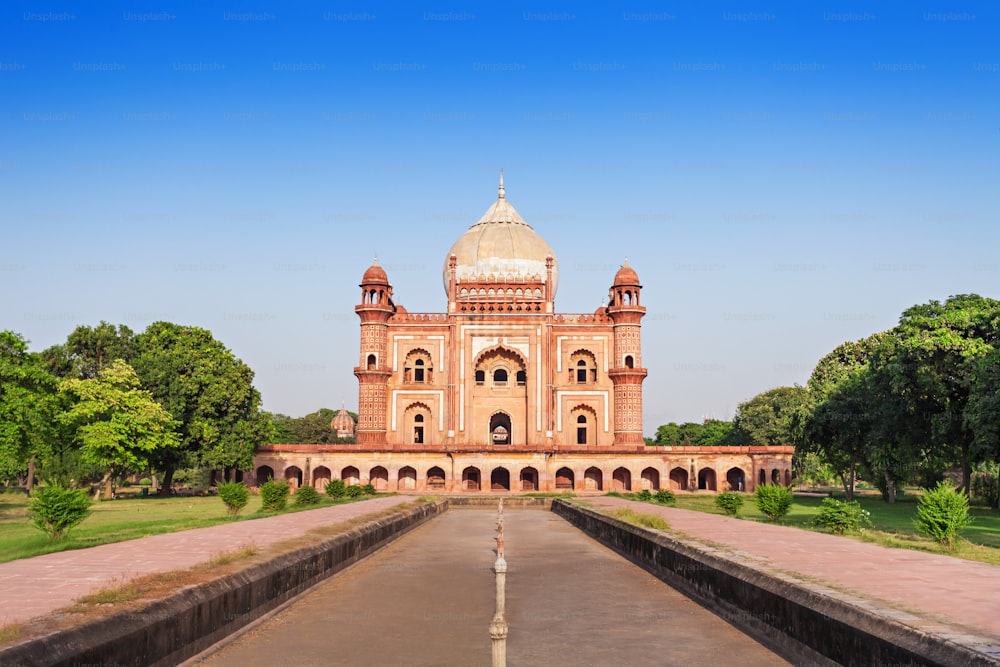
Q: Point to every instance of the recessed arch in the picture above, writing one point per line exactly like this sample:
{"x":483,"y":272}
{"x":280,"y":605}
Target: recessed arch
{"x":736,"y":479}
{"x":350,"y":475}
{"x":565,"y":479}
{"x":678,"y":479}
{"x":293,"y":475}
{"x":528,"y":479}
{"x":621,"y":479}
{"x":407,"y":479}
{"x":500,"y":479}
{"x":471,"y":479}
{"x":435,"y":479}
{"x":650,"y":479}
{"x":706,"y":480}
{"x":379,"y":478}
{"x":593,"y":479}
{"x":321,"y":477}
{"x":263,"y":474}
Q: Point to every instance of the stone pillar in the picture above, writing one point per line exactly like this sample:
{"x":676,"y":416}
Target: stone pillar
{"x":498,"y":626}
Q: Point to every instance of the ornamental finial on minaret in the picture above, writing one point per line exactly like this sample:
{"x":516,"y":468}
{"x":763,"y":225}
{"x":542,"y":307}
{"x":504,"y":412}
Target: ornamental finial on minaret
{"x":501,"y":193}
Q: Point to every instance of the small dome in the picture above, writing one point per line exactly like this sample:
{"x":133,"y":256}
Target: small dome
{"x":626,"y":275}
{"x":501,"y":244}
{"x":343,"y":424}
{"x":375,"y":274}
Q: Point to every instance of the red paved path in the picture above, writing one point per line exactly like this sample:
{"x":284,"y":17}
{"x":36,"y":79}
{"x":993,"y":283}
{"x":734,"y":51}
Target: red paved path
{"x":37,"y":586}
{"x":939,"y":594}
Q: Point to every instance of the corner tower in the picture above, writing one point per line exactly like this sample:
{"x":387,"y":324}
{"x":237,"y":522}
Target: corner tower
{"x":374,"y":367}
{"x":625,"y":310}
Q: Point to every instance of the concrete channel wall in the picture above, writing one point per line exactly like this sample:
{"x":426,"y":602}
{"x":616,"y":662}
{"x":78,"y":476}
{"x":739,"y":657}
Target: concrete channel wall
{"x":171,"y":630}
{"x":805,"y":626}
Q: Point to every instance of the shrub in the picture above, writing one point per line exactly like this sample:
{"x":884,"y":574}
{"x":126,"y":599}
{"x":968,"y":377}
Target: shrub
{"x":145,"y":481}
{"x":613,"y":494}
{"x":307,"y":495}
{"x":56,"y":510}
{"x":235,"y":495}
{"x":942,"y":513}
{"x":274,"y":495}
{"x":840,"y":517}
{"x":665,"y":497}
{"x":644,"y":495}
{"x":644,"y":520}
{"x":729,"y":502}
{"x":773,"y":500}
{"x":369,"y":490}
{"x":355,"y":491}
{"x":336,"y":488}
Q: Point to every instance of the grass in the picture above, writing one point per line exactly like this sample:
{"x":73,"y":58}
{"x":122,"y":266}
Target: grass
{"x":643,"y":520}
{"x":127,"y":519}
{"x":892,"y":524}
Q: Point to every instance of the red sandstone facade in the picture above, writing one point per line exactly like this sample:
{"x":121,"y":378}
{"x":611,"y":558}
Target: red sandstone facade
{"x":503,"y":393}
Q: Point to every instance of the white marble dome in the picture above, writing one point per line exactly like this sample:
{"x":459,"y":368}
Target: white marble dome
{"x":503,"y":245}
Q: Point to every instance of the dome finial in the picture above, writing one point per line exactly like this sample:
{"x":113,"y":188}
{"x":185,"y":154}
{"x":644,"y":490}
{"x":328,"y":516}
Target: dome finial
{"x":501,"y":193}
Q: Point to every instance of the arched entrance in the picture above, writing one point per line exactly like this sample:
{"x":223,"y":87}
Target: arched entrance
{"x":470,"y":479}
{"x":264,"y":473}
{"x":407,"y":480}
{"x":435,"y":479}
{"x":593,"y":479}
{"x":679,"y":479}
{"x":735,"y":479}
{"x":706,"y":479}
{"x":293,"y":475}
{"x":500,"y":429}
{"x":565,"y":479}
{"x":651,"y":479}
{"x":775,"y":476}
{"x":500,"y":480}
{"x":788,"y":477}
{"x":321,"y":477}
{"x":762,"y":478}
{"x":379,"y":478}
{"x":529,"y":479}
{"x":350,"y":475}
{"x":621,"y":479}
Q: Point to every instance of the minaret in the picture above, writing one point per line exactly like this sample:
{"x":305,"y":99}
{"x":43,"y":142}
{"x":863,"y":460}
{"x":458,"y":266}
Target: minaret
{"x":627,"y":372}
{"x":374,"y":369}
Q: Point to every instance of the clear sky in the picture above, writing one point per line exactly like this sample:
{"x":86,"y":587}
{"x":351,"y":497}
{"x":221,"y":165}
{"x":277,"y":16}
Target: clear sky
{"x":782,"y":176}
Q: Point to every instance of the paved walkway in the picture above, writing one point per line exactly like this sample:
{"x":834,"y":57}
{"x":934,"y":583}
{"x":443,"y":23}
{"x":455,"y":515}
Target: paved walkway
{"x":428,"y":598}
{"x":34,"y":587}
{"x":932,"y":592}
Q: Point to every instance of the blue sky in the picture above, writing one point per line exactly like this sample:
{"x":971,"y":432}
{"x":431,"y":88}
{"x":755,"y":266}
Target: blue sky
{"x":782,"y":176}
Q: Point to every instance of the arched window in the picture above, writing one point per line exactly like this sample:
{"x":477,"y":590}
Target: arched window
{"x":417,"y":367}
{"x":522,"y":378}
{"x":371,"y":362}
{"x":629,"y":362}
{"x":418,"y":429}
{"x":480,"y":377}
{"x":581,"y":430}
{"x":581,"y":371}
{"x":583,"y":367}
{"x":500,"y":376}
{"x":418,"y":370}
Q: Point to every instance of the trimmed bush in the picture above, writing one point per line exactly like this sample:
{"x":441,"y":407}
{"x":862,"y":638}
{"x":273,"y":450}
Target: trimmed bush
{"x":235,"y":495}
{"x":306,"y":495}
{"x":773,"y":500}
{"x":369,"y":490}
{"x":942,"y":513}
{"x":644,"y":495}
{"x":729,"y":502}
{"x":355,"y":491}
{"x":274,"y":495}
{"x":336,"y":488}
{"x":841,"y":517}
{"x":665,"y":497}
{"x":56,"y":510}
{"x":145,"y":481}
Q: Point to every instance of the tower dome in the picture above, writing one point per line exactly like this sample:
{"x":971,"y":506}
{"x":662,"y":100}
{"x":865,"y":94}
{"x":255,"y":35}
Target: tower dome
{"x":502,"y":244}
{"x":375,"y":275}
{"x":626,"y":275}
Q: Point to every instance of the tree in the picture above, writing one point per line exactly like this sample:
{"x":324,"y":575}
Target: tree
{"x":90,"y":349}
{"x":209,"y":391}
{"x":982,"y":412}
{"x":314,"y":428}
{"x":769,"y":418}
{"x":119,"y":426}
{"x":28,"y":402}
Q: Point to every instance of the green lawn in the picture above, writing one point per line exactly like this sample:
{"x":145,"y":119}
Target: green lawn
{"x":893,"y":524}
{"x":118,"y":520}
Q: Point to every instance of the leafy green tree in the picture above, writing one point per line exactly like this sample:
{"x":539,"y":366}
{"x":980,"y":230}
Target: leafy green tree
{"x":283,"y":428}
{"x":982,"y":412}
{"x":28,"y":402}
{"x":90,"y":349}
{"x":209,"y":391}
{"x":118,"y":426}
{"x":56,"y":510}
{"x":771,"y":417}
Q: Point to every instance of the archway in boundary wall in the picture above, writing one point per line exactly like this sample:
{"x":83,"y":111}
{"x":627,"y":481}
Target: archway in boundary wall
{"x":471,"y":479}
{"x":565,"y":479}
{"x":263,"y":474}
{"x":321,"y":477}
{"x":435,"y":479}
{"x":679,"y":479}
{"x":736,"y":479}
{"x":379,"y":478}
{"x":621,"y":479}
{"x":529,"y":479}
{"x":293,"y":475}
{"x":351,"y":476}
{"x":651,"y":479}
{"x":407,"y":479}
{"x":706,"y":480}
{"x":500,"y":479}
{"x":593,"y":479}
